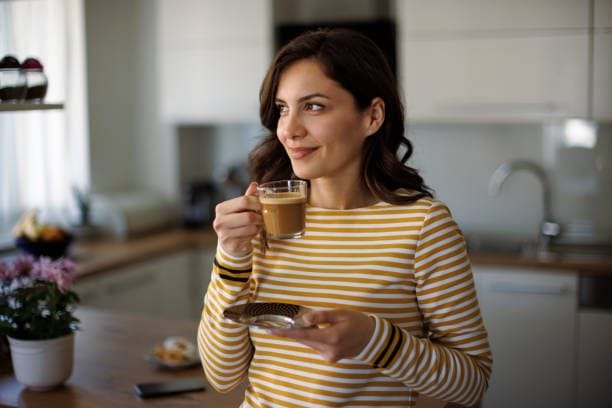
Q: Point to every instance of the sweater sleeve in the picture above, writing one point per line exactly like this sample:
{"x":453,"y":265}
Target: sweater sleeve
{"x":225,"y":348}
{"x":453,"y":361}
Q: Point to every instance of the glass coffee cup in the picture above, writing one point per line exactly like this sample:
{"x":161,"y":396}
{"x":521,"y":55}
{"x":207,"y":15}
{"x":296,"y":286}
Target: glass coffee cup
{"x":283,"y":207}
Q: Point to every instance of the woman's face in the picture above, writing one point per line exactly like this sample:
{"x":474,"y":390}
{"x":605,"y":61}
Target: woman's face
{"x":320,"y":125}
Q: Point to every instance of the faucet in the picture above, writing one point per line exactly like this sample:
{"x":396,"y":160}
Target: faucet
{"x":549,"y":229}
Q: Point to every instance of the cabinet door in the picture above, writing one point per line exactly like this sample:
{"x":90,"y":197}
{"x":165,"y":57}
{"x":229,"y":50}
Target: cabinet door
{"x":453,"y":16}
{"x":530,"y":315}
{"x":134,"y":289}
{"x":595,"y":358}
{"x":174,"y":274}
{"x":502,"y":78}
{"x":602,"y":60}
{"x":92,"y":293}
{"x":530,"y":68}
{"x":213,"y":57}
{"x":158,"y":287}
{"x":602,"y":14}
{"x":201,"y":278}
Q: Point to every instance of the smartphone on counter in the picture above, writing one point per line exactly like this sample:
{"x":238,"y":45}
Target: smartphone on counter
{"x":158,"y":389}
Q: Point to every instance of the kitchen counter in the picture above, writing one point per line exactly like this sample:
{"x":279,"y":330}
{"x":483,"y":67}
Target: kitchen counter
{"x":109,"y":360}
{"x":93,"y":257}
{"x":105,"y":255}
{"x":601,"y":266}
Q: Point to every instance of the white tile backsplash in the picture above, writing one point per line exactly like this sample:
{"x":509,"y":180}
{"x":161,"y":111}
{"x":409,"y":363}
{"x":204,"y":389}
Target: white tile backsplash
{"x":457,"y":161}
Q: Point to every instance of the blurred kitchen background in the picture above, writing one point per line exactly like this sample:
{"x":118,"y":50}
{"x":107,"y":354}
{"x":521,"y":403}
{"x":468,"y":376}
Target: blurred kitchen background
{"x":173,"y":96}
{"x":161,"y":110}
{"x":172,"y":99}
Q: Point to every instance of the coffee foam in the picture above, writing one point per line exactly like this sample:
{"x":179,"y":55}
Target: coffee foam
{"x":284,"y":198}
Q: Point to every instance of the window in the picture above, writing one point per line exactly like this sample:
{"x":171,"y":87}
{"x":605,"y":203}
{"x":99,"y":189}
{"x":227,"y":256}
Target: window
{"x":43,"y":154}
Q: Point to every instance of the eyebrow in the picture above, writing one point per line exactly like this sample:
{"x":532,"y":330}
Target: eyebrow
{"x":305,"y":97}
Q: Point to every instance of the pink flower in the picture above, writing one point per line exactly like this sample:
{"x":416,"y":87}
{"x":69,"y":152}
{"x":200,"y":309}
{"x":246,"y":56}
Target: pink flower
{"x":68,"y":267}
{"x":5,"y":271}
{"x":60,"y":272}
{"x":22,"y":265}
{"x":41,"y":268}
{"x":32,"y":289}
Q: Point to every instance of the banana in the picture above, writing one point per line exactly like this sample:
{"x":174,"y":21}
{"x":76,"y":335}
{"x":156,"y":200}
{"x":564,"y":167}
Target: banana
{"x":28,"y":226}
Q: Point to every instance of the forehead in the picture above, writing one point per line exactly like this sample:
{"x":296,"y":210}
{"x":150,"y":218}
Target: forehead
{"x":305,"y":76}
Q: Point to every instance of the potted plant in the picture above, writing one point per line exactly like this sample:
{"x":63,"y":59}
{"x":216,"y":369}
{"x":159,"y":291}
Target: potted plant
{"x":36,"y":315}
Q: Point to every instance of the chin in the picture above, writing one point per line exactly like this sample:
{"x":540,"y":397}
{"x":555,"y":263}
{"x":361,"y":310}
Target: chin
{"x":305,"y":173}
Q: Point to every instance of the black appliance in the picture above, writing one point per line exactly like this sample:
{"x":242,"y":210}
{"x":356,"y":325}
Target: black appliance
{"x":381,"y":31}
{"x":199,"y":200}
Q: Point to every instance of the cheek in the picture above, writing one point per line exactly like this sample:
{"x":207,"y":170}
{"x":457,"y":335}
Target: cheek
{"x":279,"y":137}
{"x":348,"y":133}
{"x":334,"y":131}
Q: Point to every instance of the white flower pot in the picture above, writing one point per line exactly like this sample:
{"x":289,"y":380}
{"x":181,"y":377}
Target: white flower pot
{"x":42,"y":364}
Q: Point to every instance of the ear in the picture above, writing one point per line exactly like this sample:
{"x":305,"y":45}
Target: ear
{"x":374,"y":116}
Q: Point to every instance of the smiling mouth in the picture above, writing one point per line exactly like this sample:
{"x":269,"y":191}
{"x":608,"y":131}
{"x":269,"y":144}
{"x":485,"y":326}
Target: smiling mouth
{"x":301,"y":152}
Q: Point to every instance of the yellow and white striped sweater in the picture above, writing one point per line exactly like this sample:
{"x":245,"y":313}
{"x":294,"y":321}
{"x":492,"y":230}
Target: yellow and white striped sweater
{"x":405,"y":265}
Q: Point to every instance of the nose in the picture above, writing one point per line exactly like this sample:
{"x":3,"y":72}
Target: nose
{"x":290,"y":126}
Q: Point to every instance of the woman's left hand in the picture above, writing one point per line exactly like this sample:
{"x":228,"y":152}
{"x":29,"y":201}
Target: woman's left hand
{"x":335,"y":334}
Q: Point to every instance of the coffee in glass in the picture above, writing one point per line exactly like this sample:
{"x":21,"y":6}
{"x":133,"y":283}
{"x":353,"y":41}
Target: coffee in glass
{"x":283,"y":208}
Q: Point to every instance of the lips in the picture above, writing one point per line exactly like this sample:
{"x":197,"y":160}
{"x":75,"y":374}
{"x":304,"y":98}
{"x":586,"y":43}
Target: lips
{"x":300,"y":152}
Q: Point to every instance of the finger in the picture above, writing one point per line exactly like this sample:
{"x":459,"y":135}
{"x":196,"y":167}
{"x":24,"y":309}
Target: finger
{"x":251,"y":189}
{"x":239,"y":220}
{"x":314,"y":335}
{"x":321,"y":317}
{"x":243,"y":233}
{"x":238,"y":204}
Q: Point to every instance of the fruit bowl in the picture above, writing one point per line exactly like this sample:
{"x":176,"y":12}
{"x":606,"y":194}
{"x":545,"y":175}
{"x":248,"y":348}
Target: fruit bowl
{"x":40,"y":239}
{"x":52,"y":248}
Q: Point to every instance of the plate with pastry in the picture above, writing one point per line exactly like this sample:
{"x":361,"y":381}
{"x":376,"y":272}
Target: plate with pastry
{"x":174,"y":353}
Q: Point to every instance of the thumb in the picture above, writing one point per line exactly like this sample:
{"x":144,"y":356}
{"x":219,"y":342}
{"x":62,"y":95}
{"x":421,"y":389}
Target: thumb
{"x":252,"y":189}
{"x":320,"y":317}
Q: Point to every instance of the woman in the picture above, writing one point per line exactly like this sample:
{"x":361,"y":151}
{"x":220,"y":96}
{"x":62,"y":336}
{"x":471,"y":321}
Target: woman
{"x":382,"y":263}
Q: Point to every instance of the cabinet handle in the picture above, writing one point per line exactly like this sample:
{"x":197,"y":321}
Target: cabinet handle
{"x":510,"y":287}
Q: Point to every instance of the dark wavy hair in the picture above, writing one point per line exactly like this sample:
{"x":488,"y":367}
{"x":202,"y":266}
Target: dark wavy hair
{"x":360,"y":67}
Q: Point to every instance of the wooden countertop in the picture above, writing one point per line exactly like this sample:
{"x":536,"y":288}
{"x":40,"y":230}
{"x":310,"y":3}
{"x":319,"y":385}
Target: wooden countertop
{"x":94,"y":257}
{"x":100,"y":256}
{"x":584,"y":265}
{"x":109,"y":360}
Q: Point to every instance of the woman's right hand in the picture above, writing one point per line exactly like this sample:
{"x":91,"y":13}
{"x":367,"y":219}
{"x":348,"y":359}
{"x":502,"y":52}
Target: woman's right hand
{"x":238,"y":221}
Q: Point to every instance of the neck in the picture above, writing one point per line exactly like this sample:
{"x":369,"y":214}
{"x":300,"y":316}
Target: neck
{"x":339,"y":195}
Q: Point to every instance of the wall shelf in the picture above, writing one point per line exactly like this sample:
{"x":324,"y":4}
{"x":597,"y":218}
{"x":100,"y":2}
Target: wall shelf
{"x":14,"y":107}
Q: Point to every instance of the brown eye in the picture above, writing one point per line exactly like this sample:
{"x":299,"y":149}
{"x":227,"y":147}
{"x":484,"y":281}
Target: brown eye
{"x":314,"y":107}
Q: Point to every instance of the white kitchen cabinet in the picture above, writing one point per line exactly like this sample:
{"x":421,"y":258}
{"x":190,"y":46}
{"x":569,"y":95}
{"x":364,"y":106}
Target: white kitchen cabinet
{"x":602,"y":13}
{"x":602,"y":60}
{"x":602,"y":78}
{"x":451,"y":16}
{"x":531,"y":318}
{"x":158,"y":287}
{"x":594,"y":378}
{"x":210,"y":69}
{"x":494,"y":60}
